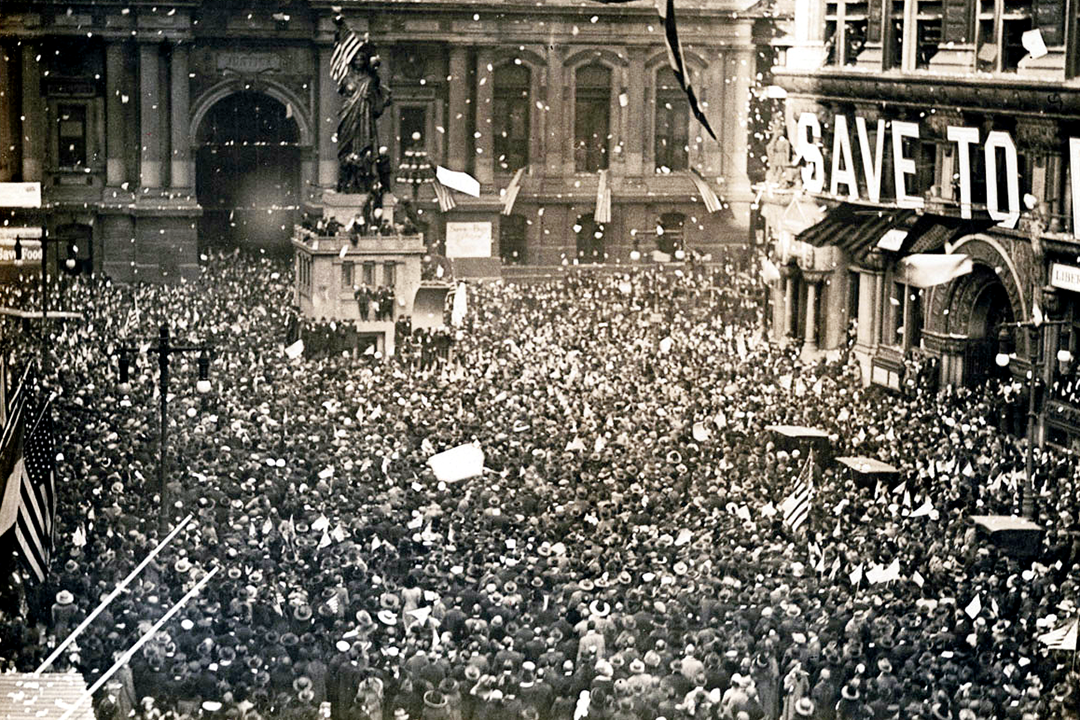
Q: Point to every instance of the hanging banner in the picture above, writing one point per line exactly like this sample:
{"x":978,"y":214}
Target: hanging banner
{"x":20,"y":194}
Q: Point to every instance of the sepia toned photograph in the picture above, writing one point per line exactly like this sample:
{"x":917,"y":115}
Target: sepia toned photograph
{"x":539,"y":359}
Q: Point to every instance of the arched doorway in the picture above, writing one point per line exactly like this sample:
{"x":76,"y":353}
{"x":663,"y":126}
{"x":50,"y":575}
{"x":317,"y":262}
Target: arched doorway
{"x":248,"y":160}
{"x":990,"y":307}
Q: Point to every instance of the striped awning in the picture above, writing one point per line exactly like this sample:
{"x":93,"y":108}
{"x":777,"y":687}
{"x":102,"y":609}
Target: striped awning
{"x":856,"y":229}
{"x":603,"y":199}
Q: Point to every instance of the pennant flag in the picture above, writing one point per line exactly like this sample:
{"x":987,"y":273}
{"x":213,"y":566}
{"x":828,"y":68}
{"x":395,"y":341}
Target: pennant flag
{"x":835,"y":568}
{"x":461,"y":305}
{"x":321,"y":523}
{"x":27,"y":457}
{"x":512,"y":191}
{"x":701,"y":432}
{"x":974,"y":607}
{"x":575,"y":444}
{"x":900,"y":489}
{"x":769,"y":510}
{"x":675,"y":58}
{"x":267,"y":526}
{"x":925,"y":509}
{"x":743,"y":513}
{"x":338,"y":533}
{"x":917,"y":578}
{"x":712,"y":202}
{"x":295,"y":350}
{"x":456,"y":464}
{"x":461,"y":181}
{"x":928,"y":270}
{"x":324,"y":541}
{"x":78,"y":538}
{"x":856,"y":574}
{"x":797,"y":506}
{"x":445,"y":198}
{"x":421,"y":614}
{"x":376,"y":543}
{"x":769,"y":272}
{"x":1064,"y":638}
{"x":602,"y":214}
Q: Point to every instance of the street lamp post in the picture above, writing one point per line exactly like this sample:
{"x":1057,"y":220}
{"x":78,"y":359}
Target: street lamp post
{"x":164,"y":349}
{"x":69,"y":262}
{"x":1033,"y":337}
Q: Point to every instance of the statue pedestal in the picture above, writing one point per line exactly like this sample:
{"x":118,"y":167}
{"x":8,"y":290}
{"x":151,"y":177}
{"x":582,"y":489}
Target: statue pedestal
{"x":343,"y":207}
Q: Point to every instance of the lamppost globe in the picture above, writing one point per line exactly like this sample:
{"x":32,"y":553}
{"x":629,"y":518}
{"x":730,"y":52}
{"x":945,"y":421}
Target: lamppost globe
{"x":1002,"y":359}
{"x":70,"y":263}
{"x":202,"y":387}
{"x":680,"y":255}
{"x":1064,"y":356}
{"x":635,"y":255}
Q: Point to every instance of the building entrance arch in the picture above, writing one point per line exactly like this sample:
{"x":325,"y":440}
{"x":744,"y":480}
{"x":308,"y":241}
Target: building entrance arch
{"x":248,"y":157}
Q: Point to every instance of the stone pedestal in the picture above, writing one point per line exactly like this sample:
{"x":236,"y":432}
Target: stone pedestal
{"x":343,"y":207}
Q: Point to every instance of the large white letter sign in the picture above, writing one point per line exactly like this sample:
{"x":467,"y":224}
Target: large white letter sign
{"x":841,"y":150}
{"x":904,"y":165}
{"x":995,"y":140}
{"x":813,"y":173}
{"x":871,"y":163}
{"x":1074,"y":174}
{"x":963,"y":137}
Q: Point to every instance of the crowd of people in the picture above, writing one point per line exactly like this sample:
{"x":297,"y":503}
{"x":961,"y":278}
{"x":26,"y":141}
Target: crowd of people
{"x":621,"y":556}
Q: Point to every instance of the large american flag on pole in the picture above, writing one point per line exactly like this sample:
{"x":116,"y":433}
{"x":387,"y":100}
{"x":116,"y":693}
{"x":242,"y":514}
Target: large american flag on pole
{"x":796,"y":507}
{"x":28,"y":503}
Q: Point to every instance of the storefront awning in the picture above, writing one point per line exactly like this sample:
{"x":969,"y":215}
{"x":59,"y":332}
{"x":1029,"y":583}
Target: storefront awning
{"x":931,"y":232}
{"x":856,"y":229}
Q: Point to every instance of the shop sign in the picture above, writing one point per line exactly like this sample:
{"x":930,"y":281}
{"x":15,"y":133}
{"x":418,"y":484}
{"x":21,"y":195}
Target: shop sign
{"x":1066,"y":277}
{"x":861,"y":150}
{"x":20,"y":194}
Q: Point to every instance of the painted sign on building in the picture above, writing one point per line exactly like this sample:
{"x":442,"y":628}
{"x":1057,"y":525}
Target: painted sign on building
{"x":20,"y":194}
{"x":468,"y":239}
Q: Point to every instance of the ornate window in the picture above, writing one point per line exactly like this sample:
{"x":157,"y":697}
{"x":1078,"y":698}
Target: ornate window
{"x":592,"y":117}
{"x":510,"y":117}
{"x":672,"y":123}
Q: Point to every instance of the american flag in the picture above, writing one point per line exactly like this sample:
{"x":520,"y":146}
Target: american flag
{"x":346,"y":45}
{"x":445,"y":198}
{"x":797,"y":506}
{"x":28,"y":507}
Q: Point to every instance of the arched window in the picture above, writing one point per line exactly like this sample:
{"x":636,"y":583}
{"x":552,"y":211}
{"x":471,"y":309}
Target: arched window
{"x":672,"y":123}
{"x":592,"y":117}
{"x":511,"y":116}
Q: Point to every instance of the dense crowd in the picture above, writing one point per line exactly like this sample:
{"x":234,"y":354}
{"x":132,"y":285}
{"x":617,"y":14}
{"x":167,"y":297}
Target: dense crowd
{"x":621,"y":556}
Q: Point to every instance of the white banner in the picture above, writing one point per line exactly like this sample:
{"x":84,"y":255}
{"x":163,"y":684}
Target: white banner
{"x":468,"y":239}
{"x":31,"y":249}
{"x":20,"y":194}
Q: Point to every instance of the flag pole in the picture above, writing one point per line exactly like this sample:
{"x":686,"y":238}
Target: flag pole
{"x":141,"y":641}
{"x":110,"y":597}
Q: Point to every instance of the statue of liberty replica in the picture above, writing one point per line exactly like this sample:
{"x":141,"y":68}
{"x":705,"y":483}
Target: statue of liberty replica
{"x":362,"y":167}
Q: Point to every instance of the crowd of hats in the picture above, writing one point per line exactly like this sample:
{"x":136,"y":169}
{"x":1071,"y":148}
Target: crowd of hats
{"x":617,"y":559}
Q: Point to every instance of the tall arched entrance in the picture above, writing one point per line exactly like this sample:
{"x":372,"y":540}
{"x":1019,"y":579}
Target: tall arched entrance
{"x":989,"y":309}
{"x":248,"y":159}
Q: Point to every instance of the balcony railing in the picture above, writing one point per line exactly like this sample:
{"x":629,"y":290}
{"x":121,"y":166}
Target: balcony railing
{"x":365,"y":244}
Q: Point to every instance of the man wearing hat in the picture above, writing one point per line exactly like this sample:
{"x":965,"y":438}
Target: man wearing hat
{"x":63,"y":613}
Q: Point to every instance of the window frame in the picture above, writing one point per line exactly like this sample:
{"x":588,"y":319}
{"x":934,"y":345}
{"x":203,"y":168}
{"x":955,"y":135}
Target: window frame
{"x":516,"y":95}
{"x":597,"y":98}
{"x":663,"y":94}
